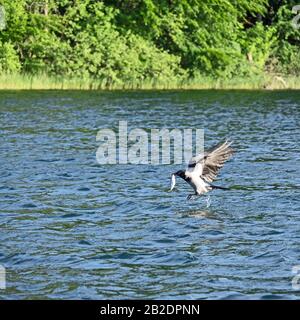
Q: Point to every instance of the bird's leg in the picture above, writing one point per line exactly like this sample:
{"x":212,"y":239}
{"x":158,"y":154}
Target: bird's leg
{"x":208,"y":202}
{"x":190,"y":196}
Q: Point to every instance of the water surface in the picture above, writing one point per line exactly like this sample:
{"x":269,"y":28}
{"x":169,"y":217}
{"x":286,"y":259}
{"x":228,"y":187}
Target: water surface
{"x":71,"y":228}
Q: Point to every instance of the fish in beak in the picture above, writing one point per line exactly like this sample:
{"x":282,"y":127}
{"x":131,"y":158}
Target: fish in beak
{"x":173,"y":181}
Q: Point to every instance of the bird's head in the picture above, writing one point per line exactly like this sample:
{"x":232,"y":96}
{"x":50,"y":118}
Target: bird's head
{"x":180,"y":173}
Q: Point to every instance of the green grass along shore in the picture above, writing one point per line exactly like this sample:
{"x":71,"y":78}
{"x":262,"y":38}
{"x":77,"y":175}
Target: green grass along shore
{"x":44,"y":82}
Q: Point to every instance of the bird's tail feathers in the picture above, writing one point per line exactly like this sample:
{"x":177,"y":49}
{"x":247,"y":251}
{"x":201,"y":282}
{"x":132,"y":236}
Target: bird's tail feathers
{"x":218,"y":187}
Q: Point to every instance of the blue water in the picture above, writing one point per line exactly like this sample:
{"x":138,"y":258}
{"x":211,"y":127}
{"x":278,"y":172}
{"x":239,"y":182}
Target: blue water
{"x":71,"y":228}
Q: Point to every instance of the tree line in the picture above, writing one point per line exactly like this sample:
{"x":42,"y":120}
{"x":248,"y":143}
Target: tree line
{"x":137,"y":40}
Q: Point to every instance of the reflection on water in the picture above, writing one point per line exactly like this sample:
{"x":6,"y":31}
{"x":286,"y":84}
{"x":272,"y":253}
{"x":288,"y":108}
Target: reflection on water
{"x":200,"y":214}
{"x":71,"y":228}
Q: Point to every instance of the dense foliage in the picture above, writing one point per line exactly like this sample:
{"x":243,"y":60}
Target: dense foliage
{"x":159,"y":40}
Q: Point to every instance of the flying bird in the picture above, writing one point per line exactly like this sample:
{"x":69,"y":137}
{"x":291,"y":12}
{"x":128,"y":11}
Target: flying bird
{"x":203,"y":169}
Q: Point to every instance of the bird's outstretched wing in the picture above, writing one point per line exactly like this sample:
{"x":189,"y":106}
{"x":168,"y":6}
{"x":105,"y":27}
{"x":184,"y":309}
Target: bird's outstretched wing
{"x":207,"y":165}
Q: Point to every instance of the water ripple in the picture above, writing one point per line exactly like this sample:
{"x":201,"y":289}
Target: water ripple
{"x":73,"y":229}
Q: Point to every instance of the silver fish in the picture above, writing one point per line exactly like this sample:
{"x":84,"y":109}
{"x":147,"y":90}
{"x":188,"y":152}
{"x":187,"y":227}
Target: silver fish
{"x":173,"y":182}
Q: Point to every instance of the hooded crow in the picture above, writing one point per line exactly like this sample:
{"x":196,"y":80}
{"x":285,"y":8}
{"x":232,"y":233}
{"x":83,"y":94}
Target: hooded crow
{"x":203,"y":169}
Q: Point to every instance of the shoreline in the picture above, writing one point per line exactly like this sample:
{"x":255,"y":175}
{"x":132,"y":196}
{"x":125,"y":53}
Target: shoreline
{"x":44,"y":82}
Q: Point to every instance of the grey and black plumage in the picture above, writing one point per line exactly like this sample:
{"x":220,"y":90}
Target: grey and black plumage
{"x":204,"y":168}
